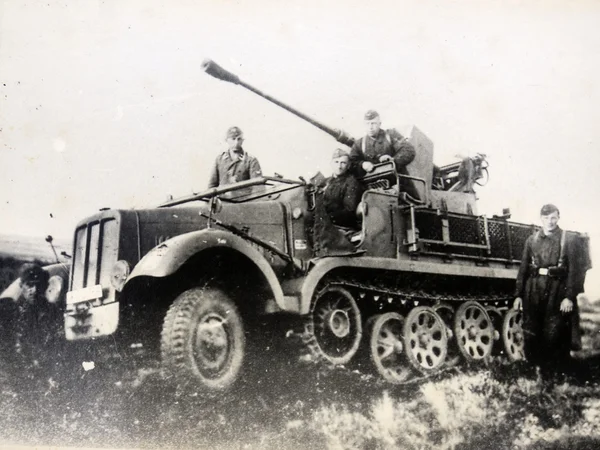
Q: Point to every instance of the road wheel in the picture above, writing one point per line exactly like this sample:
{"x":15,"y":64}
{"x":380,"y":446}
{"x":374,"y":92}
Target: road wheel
{"x":387,"y":349}
{"x":203,"y":343}
{"x":446,"y":312}
{"x":513,"y":336}
{"x":425,"y":339}
{"x":474,"y":332}
{"x":334,"y":330}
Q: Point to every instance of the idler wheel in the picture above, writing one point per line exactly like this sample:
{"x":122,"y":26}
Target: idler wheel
{"x":513,"y":336}
{"x":386,"y":347}
{"x":474,"y":331}
{"x":336,"y":325}
{"x":425,"y":339}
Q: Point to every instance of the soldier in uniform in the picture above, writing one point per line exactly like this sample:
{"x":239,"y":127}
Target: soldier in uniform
{"x":234,"y":164}
{"x":37,"y":323}
{"x":379,"y":146}
{"x":550,"y":277}
{"x":343,"y":192}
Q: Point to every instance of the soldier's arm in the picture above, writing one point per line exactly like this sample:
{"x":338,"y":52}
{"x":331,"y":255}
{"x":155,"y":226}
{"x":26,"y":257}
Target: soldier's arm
{"x":213,"y":180}
{"x":404,"y":151}
{"x":523,"y":268}
{"x":352,"y":196}
{"x":255,"y":170}
{"x":357,"y":157}
{"x":575,"y":271}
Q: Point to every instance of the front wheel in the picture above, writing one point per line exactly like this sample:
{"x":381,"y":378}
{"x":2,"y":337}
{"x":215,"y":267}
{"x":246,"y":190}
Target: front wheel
{"x":203,"y":343}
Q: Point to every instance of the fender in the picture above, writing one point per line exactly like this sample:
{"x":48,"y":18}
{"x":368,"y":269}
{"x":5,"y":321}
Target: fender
{"x":324,"y":266}
{"x":166,"y":258}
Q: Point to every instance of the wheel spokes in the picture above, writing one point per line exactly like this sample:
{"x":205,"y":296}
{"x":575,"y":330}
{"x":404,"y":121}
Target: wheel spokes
{"x":426,"y":339}
{"x":474,"y":331}
{"x":337,"y":325}
{"x":387,"y":347}
{"x":512,"y":335}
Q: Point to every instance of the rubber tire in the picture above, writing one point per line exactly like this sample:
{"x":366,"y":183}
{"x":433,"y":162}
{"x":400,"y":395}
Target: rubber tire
{"x":178,"y":334}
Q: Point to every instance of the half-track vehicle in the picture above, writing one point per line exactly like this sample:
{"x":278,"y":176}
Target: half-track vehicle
{"x":425,"y":282}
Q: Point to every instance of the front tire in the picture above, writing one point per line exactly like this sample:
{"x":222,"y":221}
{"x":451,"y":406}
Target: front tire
{"x":203,"y":343}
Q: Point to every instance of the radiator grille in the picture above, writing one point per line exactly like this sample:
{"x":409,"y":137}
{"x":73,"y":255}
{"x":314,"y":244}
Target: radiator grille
{"x":96,"y":250}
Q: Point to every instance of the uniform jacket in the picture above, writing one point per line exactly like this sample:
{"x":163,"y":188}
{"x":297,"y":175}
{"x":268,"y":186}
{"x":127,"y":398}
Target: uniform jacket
{"x":226,"y":170}
{"x":386,"y":142}
{"x":547,"y":329}
{"x":341,"y":197}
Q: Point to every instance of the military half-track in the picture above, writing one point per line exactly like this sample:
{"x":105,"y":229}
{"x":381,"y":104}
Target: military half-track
{"x":425,"y":282}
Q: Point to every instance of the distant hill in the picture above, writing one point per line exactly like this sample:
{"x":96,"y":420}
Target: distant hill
{"x":29,"y":248}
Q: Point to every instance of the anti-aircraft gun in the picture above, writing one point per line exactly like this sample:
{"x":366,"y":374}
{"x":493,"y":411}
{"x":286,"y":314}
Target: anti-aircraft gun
{"x":424,"y":282}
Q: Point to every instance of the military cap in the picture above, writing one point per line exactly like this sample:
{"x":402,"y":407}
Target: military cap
{"x":549,"y":209}
{"x":32,"y":274}
{"x":233,"y":132}
{"x":371,"y":114}
{"x":338,"y":153}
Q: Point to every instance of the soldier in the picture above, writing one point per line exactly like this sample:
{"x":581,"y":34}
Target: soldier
{"x":234,"y":164}
{"x":342,"y":192}
{"x":37,"y":322}
{"x":550,"y":277}
{"x":379,"y":146}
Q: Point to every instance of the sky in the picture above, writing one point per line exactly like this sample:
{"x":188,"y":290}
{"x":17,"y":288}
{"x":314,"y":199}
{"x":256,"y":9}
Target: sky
{"x":105,"y":104}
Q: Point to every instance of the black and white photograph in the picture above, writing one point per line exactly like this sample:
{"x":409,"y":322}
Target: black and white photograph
{"x":290,"y":225}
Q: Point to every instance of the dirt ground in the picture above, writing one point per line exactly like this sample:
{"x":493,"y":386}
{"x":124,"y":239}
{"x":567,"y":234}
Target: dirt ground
{"x":125,"y":401}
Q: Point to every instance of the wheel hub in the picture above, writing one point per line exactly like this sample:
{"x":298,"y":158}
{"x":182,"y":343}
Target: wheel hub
{"x":472,"y":332}
{"x":424,"y":339}
{"x":339,"y":323}
{"x":212,"y":342}
{"x":517,"y":337}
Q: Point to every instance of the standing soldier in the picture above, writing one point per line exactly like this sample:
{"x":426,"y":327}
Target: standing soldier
{"x":234,"y":164}
{"x":550,"y":277}
{"x":379,"y":146}
{"x":38,"y":322}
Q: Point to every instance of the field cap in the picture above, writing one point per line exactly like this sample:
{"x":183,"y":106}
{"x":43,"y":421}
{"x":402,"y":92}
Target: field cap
{"x":32,"y":274}
{"x":338,"y":152}
{"x":233,"y":132}
{"x":549,"y":209}
{"x":371,"y":114}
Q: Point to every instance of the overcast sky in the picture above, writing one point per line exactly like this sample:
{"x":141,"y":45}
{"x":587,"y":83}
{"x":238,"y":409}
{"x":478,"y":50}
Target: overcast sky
{"x":104,"y":103}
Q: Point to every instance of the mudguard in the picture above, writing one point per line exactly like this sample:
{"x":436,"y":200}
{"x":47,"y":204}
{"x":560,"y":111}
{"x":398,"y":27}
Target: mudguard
{"x":166,"y":258}
{"x":324,"y":266}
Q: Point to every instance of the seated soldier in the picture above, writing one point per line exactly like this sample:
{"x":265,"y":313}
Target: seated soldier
{"x":342,"y":192}
{"x":379,"y":146}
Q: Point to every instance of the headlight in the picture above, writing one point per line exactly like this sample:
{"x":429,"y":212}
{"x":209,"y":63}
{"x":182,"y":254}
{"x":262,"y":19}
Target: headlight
{"x":55,"y":288}
{"x":119,"y":274}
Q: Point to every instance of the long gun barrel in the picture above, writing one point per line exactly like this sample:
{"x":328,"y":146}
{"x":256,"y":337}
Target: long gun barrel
{"x":212,"y":68}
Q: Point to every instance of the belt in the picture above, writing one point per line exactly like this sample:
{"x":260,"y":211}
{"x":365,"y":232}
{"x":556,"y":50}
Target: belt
{"x":554,"y":272}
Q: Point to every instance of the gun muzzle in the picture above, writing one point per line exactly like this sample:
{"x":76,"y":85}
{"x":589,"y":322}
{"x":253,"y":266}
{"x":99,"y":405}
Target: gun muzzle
{"x":213,"y":69}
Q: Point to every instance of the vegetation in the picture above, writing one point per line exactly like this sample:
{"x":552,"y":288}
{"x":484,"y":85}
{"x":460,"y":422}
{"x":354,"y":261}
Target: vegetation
{"x":123,"y":400}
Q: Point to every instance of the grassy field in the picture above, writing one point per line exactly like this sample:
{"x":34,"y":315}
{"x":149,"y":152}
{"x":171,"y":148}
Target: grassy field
{"x":281,"y":404}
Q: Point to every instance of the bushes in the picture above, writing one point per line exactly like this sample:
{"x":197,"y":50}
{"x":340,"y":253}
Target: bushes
{"x":467,"y":411}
